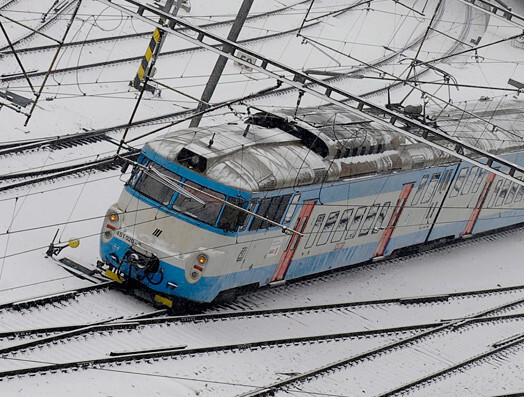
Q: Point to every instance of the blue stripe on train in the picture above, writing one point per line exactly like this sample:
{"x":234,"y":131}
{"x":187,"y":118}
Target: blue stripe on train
{"x":208,"y":288}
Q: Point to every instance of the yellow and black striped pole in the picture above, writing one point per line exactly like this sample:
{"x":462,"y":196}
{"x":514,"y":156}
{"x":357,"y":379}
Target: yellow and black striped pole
{"x":155,"y":44}
{"x":142,"y":69}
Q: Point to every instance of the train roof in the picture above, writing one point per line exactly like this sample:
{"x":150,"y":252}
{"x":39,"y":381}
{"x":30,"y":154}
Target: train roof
{"x":284,"y":148}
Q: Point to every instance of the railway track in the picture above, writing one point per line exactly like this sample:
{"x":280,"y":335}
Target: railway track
{"x":442,"y":340}
{"x":102,"y":134}
{"x":178,"y":52}
{"x":385,"y":326}
{"x":80,"y":308}
{"x":141,"y":35}
{"x":8,"y":4}
{"x":35,"y":177}
{"x":43,"y":26}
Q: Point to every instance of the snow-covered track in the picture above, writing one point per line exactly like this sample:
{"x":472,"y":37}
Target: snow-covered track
{"x":443,"y":337}
{"x":112,"y":39}
{"x":108,"y":350}
{"x":54,"y":298}
{"x":69,"y":311}
{"x":43,"y":26}
{"x":184,"y":51}
{"x":165,"y":336}
{"x":35,"y":177}
{"x":54,"y":143}
{"x":8,"y":4}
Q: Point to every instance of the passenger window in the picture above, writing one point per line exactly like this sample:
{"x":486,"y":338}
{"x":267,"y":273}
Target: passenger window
{"x":502,"y":194}
{"x":469,"y":180}
{"x":495,"y":194}
{"x":370,"y":218}
{"x":520,"y":194}
{"x":277,"y":217}
{"x":276,"y":209}
{"x":381,"y":217}
{"x":342,"y":225}
{"x":459,"y":182}
{"x":251,"y":208}
{"x":355,"y":224}
{"x":207,"y":212}
{"x":314,"y":231}
{"x":261,"y":210}
{"x":511,"y":193}
{"x":231,"y":218}
{"x":292,"y":207}
{"x":420,"y":189}
{"x":328,"y":228}
{"x":480,"y":177}
{"x":445,"y":181}
{"x":428,"y":194}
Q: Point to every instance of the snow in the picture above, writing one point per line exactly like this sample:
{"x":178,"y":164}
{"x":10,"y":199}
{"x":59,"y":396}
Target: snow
{"x":101,"y":97}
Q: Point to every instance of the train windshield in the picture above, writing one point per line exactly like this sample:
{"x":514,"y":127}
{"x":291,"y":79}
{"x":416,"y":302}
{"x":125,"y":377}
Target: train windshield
{"x":155,"y":184}
{"x":207,"y":212}
{"x":187,"y":197}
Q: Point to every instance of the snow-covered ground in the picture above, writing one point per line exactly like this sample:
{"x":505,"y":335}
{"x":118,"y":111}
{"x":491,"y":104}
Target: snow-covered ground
{"x":101,"y":97}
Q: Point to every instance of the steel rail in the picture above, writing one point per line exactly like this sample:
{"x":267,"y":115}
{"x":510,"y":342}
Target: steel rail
{"x":56,"y":142}
{"x":45,"y":299}
{"x":38,"y":29}
{"x":137,"y":58}
{"x":324,"y":91}
{"x":75,"y":330}
{"x":452,"y":325}
{"x":8,"y":4}
{"x":139,"y":355}
{"x":145,"y":34}
{"x":479,"y":357}
{"x":104,"y":164}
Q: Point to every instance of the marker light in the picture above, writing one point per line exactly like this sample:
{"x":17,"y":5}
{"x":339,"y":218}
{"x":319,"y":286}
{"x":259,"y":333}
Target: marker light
{"x":202,"y":259}
{"x":113,"y":217}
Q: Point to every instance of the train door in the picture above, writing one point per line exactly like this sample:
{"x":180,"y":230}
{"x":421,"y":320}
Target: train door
{"x":401,"y":203}
{"x":480,"y":203}
{"x":287,"y":255}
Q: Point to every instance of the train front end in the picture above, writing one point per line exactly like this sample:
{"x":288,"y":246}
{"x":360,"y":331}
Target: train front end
{"x":171,"y":229}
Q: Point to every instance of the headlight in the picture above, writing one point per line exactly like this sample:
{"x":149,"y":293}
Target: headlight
{"x":202,"y":259}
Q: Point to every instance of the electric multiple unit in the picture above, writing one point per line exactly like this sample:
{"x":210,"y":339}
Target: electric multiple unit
{"x":213,"y":210}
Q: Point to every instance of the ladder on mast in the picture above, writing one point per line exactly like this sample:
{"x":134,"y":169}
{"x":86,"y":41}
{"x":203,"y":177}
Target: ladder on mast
{"x":320,"y":89}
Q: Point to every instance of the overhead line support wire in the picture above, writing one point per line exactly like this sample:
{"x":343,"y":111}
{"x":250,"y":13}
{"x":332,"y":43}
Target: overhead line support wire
{"x":484,"y":87}
{"x":17,"y":57}
{"x":408,"y":7}
{"x":399,"y":80}
{"x":208,"y":110}
{"x":413,"y":64}
{"x":60,"y":44}
{"x":476,"y":48}
{"x":324,"y":91}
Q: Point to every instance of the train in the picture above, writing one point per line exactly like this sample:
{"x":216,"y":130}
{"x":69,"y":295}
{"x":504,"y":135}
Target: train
{"x":288,"y":193}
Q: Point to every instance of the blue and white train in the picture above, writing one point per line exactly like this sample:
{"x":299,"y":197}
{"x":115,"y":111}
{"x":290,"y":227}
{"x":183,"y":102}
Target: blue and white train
{"x":210,"y":211}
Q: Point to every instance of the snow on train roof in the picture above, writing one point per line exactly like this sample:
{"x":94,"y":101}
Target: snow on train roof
{"x":278,"y":150}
